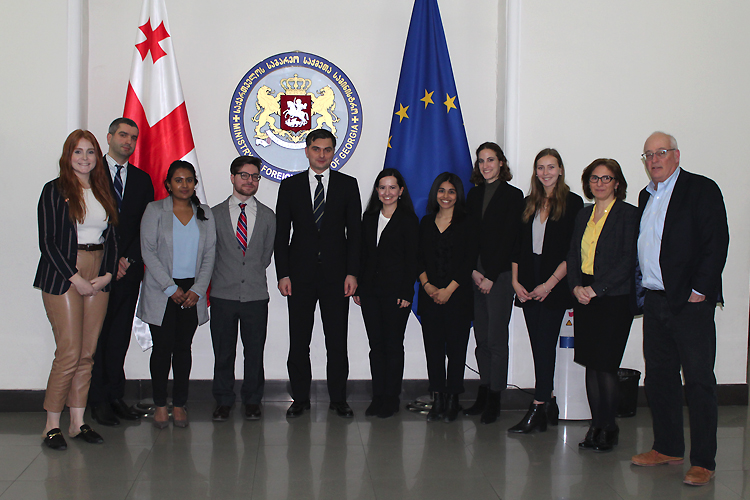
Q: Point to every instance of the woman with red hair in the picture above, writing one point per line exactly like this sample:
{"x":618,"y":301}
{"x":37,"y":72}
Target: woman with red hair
{"x":76,"y":214}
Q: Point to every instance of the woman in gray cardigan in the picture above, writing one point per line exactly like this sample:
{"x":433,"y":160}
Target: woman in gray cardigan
{"x":178,"y":239}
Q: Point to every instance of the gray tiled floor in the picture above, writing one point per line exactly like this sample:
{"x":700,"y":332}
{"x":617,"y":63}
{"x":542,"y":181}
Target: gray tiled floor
{"x":321,"y":456}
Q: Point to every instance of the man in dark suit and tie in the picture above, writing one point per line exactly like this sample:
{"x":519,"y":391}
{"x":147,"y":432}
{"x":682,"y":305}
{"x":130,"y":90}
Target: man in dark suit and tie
{"x":245,"y":230}
{"x":133,"y":190}
{"x":682,"y":248}
{"x":321,"y":209}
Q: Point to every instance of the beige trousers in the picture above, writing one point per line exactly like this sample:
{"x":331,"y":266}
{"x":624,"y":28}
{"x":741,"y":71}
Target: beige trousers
{"x":76,"y":323}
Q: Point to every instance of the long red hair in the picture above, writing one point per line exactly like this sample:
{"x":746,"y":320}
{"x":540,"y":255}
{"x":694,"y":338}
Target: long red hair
{"x":72,"y":189}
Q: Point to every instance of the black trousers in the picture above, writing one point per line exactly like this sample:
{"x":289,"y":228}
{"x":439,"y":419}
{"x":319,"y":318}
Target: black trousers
{"x":334,"y":311}
{"x":172,"y":348}
{"x":543,"y":325}
{"x":108,"y":374}
{"x":385,"y":322}
{"x":491,"y":317}
{"x":253,"y":320}
{"x":671,"y":341}
{"x":445,"y":333}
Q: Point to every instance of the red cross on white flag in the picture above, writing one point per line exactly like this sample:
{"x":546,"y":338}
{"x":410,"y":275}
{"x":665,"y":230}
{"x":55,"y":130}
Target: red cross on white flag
{"x":155,"y":101}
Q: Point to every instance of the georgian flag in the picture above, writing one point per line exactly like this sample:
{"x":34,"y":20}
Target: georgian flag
{"x":155,"y":101}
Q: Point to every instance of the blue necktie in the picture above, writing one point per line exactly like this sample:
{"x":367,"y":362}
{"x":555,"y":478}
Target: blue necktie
{"x":319,"y":202}
{"x":118,"y":187}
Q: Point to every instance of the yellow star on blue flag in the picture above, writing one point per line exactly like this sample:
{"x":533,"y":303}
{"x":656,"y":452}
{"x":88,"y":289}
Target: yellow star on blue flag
{"x":430,"y":139}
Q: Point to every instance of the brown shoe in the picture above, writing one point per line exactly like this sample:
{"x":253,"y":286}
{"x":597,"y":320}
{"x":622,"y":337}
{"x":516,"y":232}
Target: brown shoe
{"x":161,"y":417}
{"x":179,"y":416}
{"x":698,"y":476}
{"x":653,"y":457}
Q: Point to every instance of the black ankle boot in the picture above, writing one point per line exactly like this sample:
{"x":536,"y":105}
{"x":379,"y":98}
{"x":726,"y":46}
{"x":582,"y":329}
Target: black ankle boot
{"x":534,"y":420}
{"x":492,"y":409}
{"x":452,"y":407}
{"x":478,"y":407}
{"x":438,"y":407}
{"x":591,"y":436}
{"x":606,"y":440}
{"x":552,"y":411}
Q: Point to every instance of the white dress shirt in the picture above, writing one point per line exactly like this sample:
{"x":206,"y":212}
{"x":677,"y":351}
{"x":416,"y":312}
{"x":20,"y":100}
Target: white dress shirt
{"x":314,"y":182}
{"x":112,"y":164}
{"x":250,"y":212}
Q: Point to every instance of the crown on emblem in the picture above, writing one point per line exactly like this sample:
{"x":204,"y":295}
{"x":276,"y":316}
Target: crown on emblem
{"x":295,"y":85}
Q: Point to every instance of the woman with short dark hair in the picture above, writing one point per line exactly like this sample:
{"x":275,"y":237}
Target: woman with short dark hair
{"x":601,"y":270}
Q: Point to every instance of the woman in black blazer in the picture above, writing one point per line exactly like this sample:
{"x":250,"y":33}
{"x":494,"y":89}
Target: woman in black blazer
{"x":76,"y":237}
{"x":539,"y":277}
{"x":601,"y":270}
{"x":447,"y":254}
{"x":497,"y":206}
{"x":390,"y":231}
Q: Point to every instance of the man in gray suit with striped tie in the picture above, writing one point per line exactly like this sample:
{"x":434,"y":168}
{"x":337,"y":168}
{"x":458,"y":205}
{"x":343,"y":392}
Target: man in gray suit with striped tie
{"x":245,"y":230}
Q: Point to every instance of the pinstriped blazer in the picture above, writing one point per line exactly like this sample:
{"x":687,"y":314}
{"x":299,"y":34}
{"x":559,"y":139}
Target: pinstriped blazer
{"x":58,"y":242}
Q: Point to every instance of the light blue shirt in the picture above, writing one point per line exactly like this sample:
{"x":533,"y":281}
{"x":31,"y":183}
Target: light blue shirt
{"x":185,"y":250}
{"x":652,"y":229}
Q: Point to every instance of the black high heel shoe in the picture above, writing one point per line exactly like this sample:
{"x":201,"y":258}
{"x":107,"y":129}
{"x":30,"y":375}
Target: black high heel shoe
{"x":438,"y":407}
{"x":552,"y":411}
{"x":606,"y":440}
{"x":590,"y":440}
{"x":534,"y":420}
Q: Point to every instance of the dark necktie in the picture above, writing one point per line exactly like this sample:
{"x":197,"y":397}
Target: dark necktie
{"x":118,"y":187}
{"x":242,"y":228}
{"x":319,"y":202}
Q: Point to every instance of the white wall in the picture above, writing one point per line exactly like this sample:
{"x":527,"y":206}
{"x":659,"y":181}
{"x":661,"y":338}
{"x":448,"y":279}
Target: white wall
{"x":595,"y":80}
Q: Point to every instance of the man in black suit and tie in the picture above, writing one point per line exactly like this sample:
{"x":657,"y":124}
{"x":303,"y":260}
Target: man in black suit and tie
{"x":321,"y":209}
{"x":682,"y":248}
{"x":133,"y":190}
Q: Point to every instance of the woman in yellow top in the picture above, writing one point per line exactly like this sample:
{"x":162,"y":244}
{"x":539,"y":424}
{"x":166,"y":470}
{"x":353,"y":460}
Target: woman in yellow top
{"x":601,"y":269}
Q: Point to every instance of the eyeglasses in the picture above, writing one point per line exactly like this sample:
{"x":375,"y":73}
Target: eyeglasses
{"x":659,"y":153}
{"x":245,"y":176}
{"x":606,"y":179}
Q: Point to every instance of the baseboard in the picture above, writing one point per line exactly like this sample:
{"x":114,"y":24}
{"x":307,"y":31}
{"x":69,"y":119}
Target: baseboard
{"x":358,"y":390}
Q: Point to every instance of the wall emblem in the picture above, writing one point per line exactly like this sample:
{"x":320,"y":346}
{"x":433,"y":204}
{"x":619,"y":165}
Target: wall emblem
{"x":285,"y":97}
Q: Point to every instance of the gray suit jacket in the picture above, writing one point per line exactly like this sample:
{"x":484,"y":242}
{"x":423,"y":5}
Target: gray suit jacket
{"x":157,"y":251}
{"x":238,"y":277}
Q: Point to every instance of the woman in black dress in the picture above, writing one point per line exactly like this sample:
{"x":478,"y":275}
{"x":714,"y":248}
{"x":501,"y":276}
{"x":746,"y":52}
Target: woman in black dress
{"x":539,"y":277}
{"x":601,"y":270}
{"x":496,"y":205}
{"x":446,"y":257}
{"x":390,"y":232}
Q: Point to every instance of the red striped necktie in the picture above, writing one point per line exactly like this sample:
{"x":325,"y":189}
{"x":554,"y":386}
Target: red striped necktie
{"x":242,"y":228}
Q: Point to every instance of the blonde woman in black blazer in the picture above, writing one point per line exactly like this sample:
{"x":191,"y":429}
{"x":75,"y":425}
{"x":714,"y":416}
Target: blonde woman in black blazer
{"x":79,"y":255}
{"x":390,"y":235}
{"x":604,"y":241}
{"x":539,"y":277}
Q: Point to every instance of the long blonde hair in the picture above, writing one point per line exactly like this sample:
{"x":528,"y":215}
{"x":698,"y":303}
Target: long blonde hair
{"x":537,"y":195}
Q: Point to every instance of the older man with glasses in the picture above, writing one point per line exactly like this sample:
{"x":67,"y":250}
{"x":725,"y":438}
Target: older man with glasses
{"x":682,"y":248}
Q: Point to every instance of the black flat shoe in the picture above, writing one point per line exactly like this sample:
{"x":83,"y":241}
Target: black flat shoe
{"x":591,"y":436}
{"x":342,"y":409}
{"x":606,"y":440}
{"x":89,"y":435}
{"x":375,"y":407}
{"x":55,"y":440}
{"x":297,"y":408}
{"x":123,"y":411}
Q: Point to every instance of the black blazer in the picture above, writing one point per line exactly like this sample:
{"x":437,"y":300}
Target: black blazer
{"x":695,"y":240}
{"x":498,"y":229}
{"x":338,"y":243}
{"x":452,"y":260}
{"x":615,"y":254}
{"x":557,"y":235}
{"x":58,"y":242}
{"x":389,"y":268}
{"x":139,"y":192}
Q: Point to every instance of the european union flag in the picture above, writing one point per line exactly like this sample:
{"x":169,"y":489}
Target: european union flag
{"x":427,"y":133}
